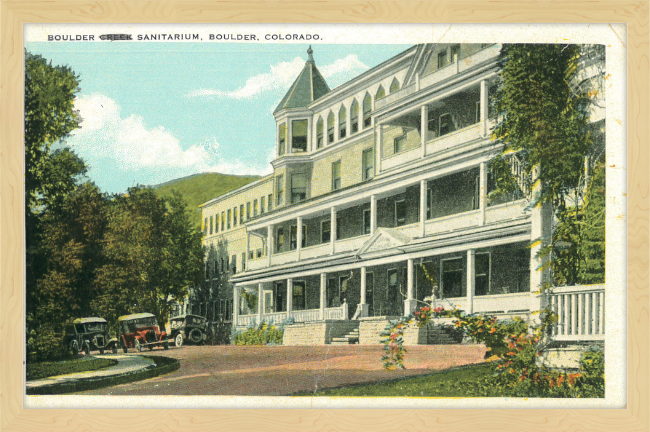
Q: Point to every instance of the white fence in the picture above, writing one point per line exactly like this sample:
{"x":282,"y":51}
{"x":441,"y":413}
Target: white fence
{"x":333,"y":313}
{"x":581,"y":313}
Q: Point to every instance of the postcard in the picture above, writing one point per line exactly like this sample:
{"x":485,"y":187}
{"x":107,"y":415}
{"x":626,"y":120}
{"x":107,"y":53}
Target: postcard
{"x":325,"y":216}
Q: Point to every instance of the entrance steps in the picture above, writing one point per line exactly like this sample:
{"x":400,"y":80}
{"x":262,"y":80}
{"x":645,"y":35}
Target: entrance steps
{"x":441,"y":335}
{"x":349,"y":339}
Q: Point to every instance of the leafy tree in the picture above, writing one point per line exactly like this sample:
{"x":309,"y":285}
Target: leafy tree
{"x":152,"y":256}
{"x":593,"y":239}
{"x":543,"y":104}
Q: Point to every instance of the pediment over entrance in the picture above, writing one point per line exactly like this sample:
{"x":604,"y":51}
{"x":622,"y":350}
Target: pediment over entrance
{"x":384,"y":239}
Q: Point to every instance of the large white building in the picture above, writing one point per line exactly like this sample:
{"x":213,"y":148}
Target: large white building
{"x":377,"y":184}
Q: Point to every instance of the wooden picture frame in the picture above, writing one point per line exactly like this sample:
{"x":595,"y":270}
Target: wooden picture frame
{"x":14,"y":417}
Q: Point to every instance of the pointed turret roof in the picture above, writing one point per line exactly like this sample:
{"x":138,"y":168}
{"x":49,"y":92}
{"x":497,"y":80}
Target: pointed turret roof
{"x":309,"y":86}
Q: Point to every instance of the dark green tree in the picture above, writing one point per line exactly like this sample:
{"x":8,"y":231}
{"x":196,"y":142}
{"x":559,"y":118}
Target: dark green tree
{"x":593,"y":238}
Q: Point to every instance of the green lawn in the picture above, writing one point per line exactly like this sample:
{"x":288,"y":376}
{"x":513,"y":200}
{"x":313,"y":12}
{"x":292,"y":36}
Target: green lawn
{"x":46,"y":369}
{"x":449,"y":383}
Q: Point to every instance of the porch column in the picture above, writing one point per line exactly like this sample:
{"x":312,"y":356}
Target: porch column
{"x":484,"y":106}
{"x":373,"y":214}
{"x":235,"y":302}
{"x":471,"y":280}
{"x":289,"y":297}
{"x":323,"y":293}
{"x":540,"y":234}
{"x":248,"y":250}
{"x":482,"y":194}
{"x":260,"y":302}
{"x":379,"y":147}
{"x":424,"y":128}
{"x":333,"y":229}
{"x":410,"y":302}
{"x":363,"y":304}
{"x":423,"y":207}
{"x":269,"y":243}
{"x":298,"y":236}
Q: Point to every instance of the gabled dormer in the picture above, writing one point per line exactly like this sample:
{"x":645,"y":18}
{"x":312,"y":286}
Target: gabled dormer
{"x":292,"y":116}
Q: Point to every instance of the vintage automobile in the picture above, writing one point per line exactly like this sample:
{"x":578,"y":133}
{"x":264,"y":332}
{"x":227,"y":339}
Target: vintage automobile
{"x":89,"y":334}
{"x":188,"y":328}
{"x":139,"y":331}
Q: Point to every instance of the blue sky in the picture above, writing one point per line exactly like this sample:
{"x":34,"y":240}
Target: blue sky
{"x":153,"y":112}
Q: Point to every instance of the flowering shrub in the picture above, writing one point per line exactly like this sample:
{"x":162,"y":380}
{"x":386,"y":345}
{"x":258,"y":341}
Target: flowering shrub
{"x":393,"y":335}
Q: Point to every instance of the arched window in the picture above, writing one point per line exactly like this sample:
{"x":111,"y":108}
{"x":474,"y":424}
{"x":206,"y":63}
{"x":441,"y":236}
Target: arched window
{"x":381,"y":93}
{"x":319,"y":133}
{"x":394,"y":86}
{"x":342,"y":122}
{"x":330,"y":128}
{"x":354,"y":117}
{"x":282,"y":139}
{"x":367,"y":109}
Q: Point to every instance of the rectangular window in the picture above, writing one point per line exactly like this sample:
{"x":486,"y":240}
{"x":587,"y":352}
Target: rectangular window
{"x":298,"y":187}
{"x":298,"y":295}
{"x":368,"y":164}
{"x":366,"y":221}
{"x":398,"y":143}
{"x":255,"y":208}
{"x":210,"y":224}
{"x":299,"y":135}
{"x":279,"y":190}
{"x":216,"y":223}
{"x":325,"y":231}
{"x":251,"y":254}
{"x":452,"y":272}
{"x":248,"y":210}
{"x":482,"y":274}
{"x":294,"y":236}
{"x":223,"y":265}
{"x":282,"y":139}
{"x":367,"y":118}
{"x":229,"y":217}
{"x":262,"y":204}
{"x":342,"y":127}
{"x":455,"y":53}
{"x":259,"y":253}
{"x":442,"y":59}
{"x":241,"y":214}
{"x":205,"y":225}
{"x":234,"y":216}
{"x":223,"y":221}
{"x":270,"y":202}
{"x":354,"y":120}
{"x":279,"y":243}
{"x":336,"y":175}
{"x":446,"y":125}
{"x":243,"y":261}
{"x":233,"y":264}
{"x":400,"y":213}
{"x":319,"y":136}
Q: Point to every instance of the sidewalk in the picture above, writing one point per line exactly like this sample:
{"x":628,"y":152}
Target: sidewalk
{"x":126,"y":364}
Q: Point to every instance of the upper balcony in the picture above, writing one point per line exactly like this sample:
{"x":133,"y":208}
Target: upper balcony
{"x":460,"y":65}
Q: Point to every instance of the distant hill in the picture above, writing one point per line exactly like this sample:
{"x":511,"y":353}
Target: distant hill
{"x":199,"y":188}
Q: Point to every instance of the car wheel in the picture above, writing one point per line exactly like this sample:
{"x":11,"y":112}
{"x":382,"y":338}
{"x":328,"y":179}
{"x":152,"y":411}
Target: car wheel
{"x":166,"y":345}
{"x":101,"y":351}
{"x":125,"y":348}
{"x":137,"y":345}
{"x":178,"y":340}
{"x":74,"y":348}
{"x":115,"y":349}
{"x":196,"y":336}
{"x":86,"y":350}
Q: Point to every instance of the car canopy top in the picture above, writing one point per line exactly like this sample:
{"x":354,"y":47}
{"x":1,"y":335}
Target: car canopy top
{"x":135,"y":316}
{"x":88,"y":320}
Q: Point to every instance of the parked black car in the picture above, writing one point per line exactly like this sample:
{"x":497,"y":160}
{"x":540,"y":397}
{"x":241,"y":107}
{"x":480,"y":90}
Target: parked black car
{"x":188,"y":328}
{"x":89,"y":334}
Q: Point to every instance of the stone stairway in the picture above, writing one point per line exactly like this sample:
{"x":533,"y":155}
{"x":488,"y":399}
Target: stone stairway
{"x":348,"y":339}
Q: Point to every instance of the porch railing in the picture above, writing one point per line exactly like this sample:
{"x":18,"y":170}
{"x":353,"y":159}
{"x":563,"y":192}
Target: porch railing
{"x":581,"y":313}
{"x":333,"y":313}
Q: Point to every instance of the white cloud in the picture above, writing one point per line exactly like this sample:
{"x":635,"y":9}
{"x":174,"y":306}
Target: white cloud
{"x":133,"y":146}
{"x":282,"y":76}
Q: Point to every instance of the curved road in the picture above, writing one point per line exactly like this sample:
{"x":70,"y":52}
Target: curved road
{"x":284,"y":370}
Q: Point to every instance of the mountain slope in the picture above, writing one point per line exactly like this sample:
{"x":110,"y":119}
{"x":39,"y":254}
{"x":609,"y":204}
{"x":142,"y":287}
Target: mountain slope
{"x":199,"y":188}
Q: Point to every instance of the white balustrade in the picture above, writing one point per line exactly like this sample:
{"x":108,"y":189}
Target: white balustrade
{"x":452,"y":222}
{"x":454,"y":139}
{"x":352,"y":243}
{"x":505,"y":211}
{"x":581,"y":312}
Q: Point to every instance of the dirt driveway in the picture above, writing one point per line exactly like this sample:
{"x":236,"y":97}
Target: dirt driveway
{"x":283,"y":370}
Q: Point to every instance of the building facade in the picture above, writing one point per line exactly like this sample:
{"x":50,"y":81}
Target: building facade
{"x":378,"y":201}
